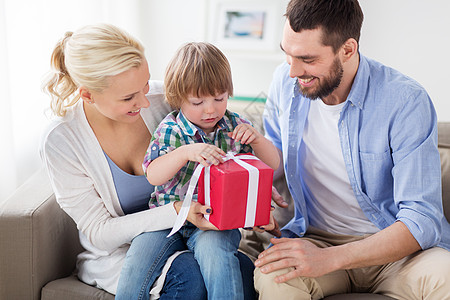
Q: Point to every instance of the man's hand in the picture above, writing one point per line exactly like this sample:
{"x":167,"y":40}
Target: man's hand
{"x":306,"y":258}
{"x":388,"y":245}
{"x":275,"y":231}
{"x":278,"y":199}
{"x":273,"y":227}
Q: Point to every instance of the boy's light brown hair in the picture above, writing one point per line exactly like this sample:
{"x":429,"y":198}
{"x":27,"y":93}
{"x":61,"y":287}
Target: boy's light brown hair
{"x":198,"y":69}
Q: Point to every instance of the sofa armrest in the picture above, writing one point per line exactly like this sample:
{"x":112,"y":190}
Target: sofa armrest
{"x":39,"y":242}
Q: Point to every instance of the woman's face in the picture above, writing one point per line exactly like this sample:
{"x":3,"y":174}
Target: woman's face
{"x":125,"y":96}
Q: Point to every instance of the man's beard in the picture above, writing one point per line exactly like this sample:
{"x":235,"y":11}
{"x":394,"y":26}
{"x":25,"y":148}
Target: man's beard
{"x":328,"y":84}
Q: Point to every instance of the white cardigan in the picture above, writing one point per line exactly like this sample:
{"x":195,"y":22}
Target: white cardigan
{"x":84,"y":188}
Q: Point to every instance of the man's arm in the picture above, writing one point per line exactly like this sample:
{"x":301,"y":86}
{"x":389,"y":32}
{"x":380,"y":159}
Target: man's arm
{"x":388,"y":245}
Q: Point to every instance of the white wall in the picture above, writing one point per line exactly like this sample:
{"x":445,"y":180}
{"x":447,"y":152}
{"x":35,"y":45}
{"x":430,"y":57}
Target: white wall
{"x":412,"y":36}
{"x":168,"y":24}
{"x":29,"y":29}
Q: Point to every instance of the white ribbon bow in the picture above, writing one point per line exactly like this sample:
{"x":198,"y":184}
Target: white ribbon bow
{"x":252,"y":193}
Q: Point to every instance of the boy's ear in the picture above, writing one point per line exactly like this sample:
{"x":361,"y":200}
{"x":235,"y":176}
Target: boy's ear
{"x":86,"y":95}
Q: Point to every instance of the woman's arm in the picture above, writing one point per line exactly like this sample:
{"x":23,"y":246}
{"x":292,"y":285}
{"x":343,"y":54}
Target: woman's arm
{"x":86,"y":194}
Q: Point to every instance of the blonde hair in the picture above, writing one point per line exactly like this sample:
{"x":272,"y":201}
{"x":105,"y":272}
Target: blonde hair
{"x":198,"y":69}
{"x":89,"y":57}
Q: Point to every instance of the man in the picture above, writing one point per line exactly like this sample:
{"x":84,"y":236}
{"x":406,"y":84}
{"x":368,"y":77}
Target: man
{"x":359,"y":145}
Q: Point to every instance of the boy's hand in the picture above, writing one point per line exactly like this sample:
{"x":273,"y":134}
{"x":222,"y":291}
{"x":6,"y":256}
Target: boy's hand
{"x":205,"y":154}
{"x":245,"y":134}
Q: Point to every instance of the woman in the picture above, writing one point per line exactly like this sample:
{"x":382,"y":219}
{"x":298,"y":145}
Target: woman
{"x":93,"y":152}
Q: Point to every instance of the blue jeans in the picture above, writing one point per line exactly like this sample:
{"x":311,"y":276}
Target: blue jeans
{"x":216,"y":254}
{"x":144,"y":262}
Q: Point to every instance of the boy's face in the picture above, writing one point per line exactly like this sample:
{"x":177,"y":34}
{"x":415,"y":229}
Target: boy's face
{"x":205,"y":111}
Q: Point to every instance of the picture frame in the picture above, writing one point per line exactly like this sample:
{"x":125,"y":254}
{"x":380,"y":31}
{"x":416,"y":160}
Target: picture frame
{"x":246,"y":24}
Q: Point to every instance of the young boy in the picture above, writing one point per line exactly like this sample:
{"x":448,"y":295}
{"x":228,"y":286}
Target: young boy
{"x":201,"y":130}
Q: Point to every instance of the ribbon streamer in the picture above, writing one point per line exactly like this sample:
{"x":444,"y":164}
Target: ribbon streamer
{"x":252,"y":193}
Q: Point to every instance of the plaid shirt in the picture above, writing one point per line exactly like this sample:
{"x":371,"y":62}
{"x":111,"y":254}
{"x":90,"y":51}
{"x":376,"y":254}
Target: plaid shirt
{"x":174,"y":131}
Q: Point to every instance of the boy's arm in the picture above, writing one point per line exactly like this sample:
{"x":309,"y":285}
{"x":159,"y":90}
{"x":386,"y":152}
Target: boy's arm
{"x":266,"y":151}
{"x":163,"y":168}
{"x":262,"y":147}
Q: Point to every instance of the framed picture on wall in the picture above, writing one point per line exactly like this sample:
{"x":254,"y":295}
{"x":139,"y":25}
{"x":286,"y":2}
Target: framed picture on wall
{"x":245,"y":24}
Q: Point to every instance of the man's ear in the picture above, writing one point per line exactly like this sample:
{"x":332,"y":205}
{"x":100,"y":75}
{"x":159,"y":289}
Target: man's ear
{"x":86,"y":95}
{"x":349,"y":49}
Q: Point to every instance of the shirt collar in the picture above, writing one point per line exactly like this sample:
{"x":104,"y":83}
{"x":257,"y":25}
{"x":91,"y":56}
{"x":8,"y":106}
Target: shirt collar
{"x":357,"y":93}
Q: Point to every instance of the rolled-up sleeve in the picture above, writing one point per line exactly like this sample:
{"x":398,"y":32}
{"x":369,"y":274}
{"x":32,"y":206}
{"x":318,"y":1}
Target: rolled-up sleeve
{"x":416,"y":171}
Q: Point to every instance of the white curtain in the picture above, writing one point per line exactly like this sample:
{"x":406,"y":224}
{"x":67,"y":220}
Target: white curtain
{"x":8,"y":172}
{"x":28,"y":31}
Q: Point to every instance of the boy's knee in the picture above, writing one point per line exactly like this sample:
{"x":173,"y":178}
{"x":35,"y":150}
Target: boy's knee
{"x":215,"y":242}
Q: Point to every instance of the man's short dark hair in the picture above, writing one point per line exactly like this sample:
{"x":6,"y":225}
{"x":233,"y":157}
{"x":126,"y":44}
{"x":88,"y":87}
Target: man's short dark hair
{"x":339,"y":19}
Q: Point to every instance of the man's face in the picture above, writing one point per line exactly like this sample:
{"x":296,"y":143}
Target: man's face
{"x":318,"y":69}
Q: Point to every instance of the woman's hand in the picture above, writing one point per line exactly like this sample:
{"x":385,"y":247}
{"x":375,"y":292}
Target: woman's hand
{"x":196,"y":215}
{"x":205,"y":154}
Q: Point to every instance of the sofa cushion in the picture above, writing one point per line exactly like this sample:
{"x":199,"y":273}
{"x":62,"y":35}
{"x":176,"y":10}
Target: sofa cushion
{"x":357,"y":296}
{"x":444,"y":151}
{"x":73,"y":289}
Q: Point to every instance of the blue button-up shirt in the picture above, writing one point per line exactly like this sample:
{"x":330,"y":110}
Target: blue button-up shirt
{"x":388,"y":136}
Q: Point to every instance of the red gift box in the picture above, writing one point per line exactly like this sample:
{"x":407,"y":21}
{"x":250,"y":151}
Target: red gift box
{"x":233,"y":204}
